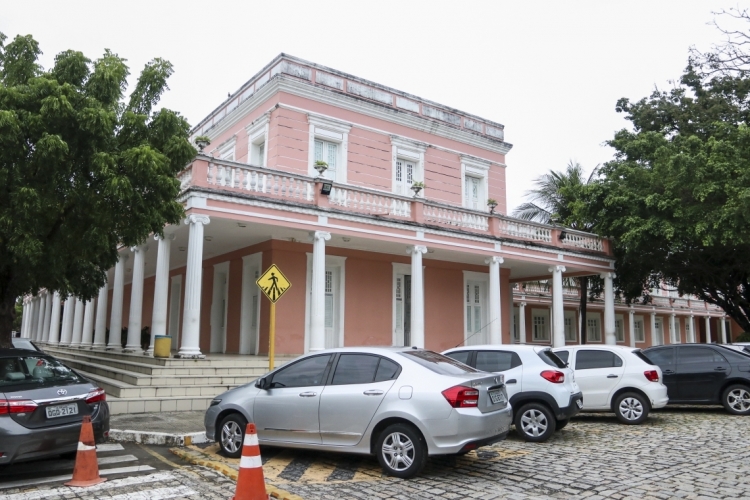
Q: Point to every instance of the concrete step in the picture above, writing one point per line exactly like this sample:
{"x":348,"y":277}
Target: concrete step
{"x":119,"y":406}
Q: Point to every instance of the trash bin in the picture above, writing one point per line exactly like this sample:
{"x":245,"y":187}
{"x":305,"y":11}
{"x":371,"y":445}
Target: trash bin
{"x":162,"y":346}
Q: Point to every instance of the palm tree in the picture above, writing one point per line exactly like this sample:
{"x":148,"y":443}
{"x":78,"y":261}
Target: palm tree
{"x":554,"y":201}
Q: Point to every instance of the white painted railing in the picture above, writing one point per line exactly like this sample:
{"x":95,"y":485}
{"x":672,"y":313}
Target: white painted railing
{"x":434,"y":214}
{"x":519,"y":229}
{"x":368,"y":202}
{"x":186,"y":178}
{"x":582,"y":241}
{"x":254,"y":180}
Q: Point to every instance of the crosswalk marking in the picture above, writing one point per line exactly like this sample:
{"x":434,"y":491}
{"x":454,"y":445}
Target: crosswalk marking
{"x":157,"y":494}
{"x":109,"y":447}
{"x":158,"y":477}
{"x":116,"y":460}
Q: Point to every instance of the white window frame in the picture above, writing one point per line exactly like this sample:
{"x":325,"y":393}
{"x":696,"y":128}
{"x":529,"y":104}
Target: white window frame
{"x":257,"y":136}
{"x":659,"y":327}
{"x":594,"y":316}
{"x":484,"y":279}
{"x":636,"y":320}
{"x":545,"y":314}
{"x":688,"y":336}
{"x":473,"y":168}
{"x":410,"y":151}
{"x":226,"y":150}
{"x":333,"y":131}
{"x":331,"y":261}
{"x":620,"y":332}
{"x":570,"y":316}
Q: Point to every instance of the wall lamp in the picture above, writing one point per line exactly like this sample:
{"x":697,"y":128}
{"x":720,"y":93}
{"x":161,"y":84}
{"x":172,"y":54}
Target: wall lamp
{"x":562,"y":236}
{"x":325,"y":189}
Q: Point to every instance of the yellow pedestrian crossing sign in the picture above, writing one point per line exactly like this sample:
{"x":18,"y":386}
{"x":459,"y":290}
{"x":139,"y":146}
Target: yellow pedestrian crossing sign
{"x":273,"y":283}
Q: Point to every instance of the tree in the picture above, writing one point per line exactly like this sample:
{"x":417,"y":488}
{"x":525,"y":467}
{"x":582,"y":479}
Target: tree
{"x":676,"y":198}
{"x":81,"y":171}
{"x":560,"y":197}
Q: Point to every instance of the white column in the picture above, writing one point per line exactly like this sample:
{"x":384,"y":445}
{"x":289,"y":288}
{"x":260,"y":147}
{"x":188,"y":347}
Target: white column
{"x":672,"y":329}
{"x":54,"y":324}
{"x":161,"y":289}
{"x":135,"y":320}
{"x":558,"y":316}
{"x":609,"y":309}
{"x":654,"y":338}
{"x":631,"y":327}
{"x":693,"y":336}
{"x":522,"y":322}
{"x":67,"y":327}
{"x":496,"y":335}
{"x":87,"y":337}
{"x":47,"y":318}
{"x":317,"y":299}
{"x":723,"y":329}
{"x":100,"y":331}
{"x":417,"y":295}
{"x":24,"y":317}
{"x":32,"y":318}
{"x":77,"y":324}
{"x":115,"y":321}
{"x":42,"y":304}
{"x":708,"y":329}
{"x":190,"y":345}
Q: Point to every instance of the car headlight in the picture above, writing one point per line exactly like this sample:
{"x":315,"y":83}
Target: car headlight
{"x":214,"y":402}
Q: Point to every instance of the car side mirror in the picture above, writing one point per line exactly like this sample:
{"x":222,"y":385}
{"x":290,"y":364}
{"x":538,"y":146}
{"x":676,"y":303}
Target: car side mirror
{"x":262,"y":383}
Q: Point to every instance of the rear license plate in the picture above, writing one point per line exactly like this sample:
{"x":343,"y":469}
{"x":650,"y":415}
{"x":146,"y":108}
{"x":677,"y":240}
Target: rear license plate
{"x":62,"y":410}
{"x":579,"y":403}
{"x":497,"y":397}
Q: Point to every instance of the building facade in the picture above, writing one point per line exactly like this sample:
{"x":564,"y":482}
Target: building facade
{"x":403,"y":239}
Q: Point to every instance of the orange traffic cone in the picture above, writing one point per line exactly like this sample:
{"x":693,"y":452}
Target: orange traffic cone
{"x":250,"y":482}
{"x":86,"y":471}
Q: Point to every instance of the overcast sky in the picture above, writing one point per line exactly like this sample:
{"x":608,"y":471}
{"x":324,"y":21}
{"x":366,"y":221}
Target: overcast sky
{"x":550,"y":71}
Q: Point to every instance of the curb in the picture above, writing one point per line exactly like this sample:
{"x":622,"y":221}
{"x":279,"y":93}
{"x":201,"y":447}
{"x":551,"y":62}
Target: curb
{"x":157,"y":438}
{"x":273,"y":492}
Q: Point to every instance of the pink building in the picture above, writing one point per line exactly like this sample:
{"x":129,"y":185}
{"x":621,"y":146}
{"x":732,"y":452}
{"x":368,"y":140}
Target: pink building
{"x":394,"y":243}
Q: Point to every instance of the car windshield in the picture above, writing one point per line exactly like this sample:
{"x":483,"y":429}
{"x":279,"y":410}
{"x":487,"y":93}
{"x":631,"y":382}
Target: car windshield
{"x":643,"y":357}
{"x":438,"y":363}
{"x":552,"y":359}
{"x":28,"y":372}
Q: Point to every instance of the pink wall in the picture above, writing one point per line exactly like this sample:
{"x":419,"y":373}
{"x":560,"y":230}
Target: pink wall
{"x":370,"y":163}
{"x":442,"y":176}
{"x":288,"y":139}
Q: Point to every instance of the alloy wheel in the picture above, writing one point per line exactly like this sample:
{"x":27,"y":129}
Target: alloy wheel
{"x":398,"y":451}
{"x":534,"y":422}
{"x":739,"y":399}
{"x":631,"y":408}
{"x":231,"y":437}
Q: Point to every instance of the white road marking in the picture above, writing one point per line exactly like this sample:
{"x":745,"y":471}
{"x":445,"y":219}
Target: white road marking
{"x":109,"y":447}
{"x":117,"y":459}
{"x":157,"y":494}
{"x":124,"y":470}
{"x":125,"y":481}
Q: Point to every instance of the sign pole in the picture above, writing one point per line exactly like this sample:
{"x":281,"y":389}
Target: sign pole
{"x":272,"y":337}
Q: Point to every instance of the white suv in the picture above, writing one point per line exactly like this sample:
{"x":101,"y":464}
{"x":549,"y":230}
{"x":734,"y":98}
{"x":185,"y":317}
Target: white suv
{"x":541,"y":389}
{"x":618,"y":379}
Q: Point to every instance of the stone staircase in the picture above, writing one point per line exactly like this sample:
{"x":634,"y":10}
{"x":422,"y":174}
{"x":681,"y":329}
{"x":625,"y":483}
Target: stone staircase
{"x":136,"y":383}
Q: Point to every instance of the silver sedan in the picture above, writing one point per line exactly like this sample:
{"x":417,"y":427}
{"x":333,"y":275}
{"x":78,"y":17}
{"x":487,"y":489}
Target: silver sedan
{"x":401,"y":404}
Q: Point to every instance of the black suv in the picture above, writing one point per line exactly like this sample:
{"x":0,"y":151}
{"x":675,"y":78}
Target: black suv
{"x":705,"y":374}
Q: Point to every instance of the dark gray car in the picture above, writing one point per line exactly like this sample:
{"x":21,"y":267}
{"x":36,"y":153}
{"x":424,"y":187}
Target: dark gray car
{"x":42,"y":404}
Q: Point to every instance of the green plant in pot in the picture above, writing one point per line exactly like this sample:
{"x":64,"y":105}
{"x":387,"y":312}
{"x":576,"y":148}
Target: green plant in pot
{"x":320,"y":166}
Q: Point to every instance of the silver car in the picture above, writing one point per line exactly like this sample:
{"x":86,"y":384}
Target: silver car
{"x":401,"y":404}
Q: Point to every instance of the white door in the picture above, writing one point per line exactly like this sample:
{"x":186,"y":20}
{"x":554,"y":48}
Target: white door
{"x":404,"y":176}
{"x":219,"y":308}
{"x":598,"y":373}
{"x":659,"y":331}
{"x":327,"y":152}
{"x":402,"y":297}
{"x":332,"y":305}
{"x":475,"y":303}
{"x":472,"y":194}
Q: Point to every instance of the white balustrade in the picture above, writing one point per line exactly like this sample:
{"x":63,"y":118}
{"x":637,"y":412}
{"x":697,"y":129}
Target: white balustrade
{"x":582,"y":241}
{"x":434,"y":214}
{"x":185,"y":177}
{"x":362,"y":201}
{"x":519,"y":229}
{"x":258,"y":181}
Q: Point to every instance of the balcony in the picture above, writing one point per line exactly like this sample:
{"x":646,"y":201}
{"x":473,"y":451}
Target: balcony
{"x":282,"y":186}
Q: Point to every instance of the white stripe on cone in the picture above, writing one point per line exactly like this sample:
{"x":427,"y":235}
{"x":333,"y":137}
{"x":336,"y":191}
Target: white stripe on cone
{"x":251,"y":439}
{"x":85,"y":447}
{"x":250,"y":462}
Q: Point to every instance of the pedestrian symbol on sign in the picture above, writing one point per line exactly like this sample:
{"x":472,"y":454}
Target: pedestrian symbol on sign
{"x":273,"y":283}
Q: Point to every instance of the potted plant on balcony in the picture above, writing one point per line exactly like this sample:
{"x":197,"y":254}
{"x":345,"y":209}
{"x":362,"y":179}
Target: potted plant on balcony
{"x":202,"y":141}
{"x":320,"y":166}
{"x":417,"y":187}
{"x":492,"y":203}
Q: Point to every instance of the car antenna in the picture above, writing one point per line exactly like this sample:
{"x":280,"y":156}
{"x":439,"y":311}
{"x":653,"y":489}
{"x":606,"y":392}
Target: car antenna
{"x":467,"y":338}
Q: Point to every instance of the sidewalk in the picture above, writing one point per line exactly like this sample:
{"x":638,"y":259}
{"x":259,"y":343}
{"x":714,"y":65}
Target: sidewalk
{"x":179,"y":428}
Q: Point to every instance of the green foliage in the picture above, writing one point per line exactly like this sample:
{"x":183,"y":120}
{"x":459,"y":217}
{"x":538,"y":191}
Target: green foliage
{"x":81,"y":171}
{"x":676,"y":198}
{"x":743,"y":337}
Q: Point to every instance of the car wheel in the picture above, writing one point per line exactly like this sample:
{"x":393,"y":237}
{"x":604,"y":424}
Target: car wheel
{"x":535,"y":422}
{"x":401,"y":450}
{"x":736,"y":400}
{"x":631,"y":408}
{"x":232,"y":434}
{"x":560,"y":424}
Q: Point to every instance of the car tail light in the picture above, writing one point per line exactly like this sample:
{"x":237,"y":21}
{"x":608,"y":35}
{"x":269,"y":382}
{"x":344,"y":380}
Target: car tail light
{"x":553,"y":376}
{"x":460,"y":396}
{"x":20,"y":406}
{"x":96,"y":396}
{"x":652,"y":375}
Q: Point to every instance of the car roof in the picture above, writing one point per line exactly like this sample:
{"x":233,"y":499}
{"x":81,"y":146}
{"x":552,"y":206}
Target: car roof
{"x":369,"y":349}
{"x":13,"y":352}
{"x":495,"y":347}
{"x":600,"y":347}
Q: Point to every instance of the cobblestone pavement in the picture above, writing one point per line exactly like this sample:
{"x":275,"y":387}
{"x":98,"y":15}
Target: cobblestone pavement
{"x":677,"y":454}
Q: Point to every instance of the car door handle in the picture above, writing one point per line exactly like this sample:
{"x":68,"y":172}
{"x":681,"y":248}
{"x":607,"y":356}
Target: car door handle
{"x":511,"y":381}
{"x":720,"y":369}
{"x":612,"y":376}
{"x":668,"y":372}
{"x":308,"y":394}
{"x":373,"y":392}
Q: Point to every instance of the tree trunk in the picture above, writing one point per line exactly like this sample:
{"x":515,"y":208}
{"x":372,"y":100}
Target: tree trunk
{"x":7,"y":315}
{"x":584,"y":288}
